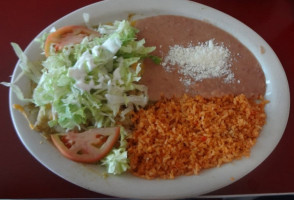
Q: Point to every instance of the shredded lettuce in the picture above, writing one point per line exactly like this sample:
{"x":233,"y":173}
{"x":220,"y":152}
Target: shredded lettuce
{"x":116,"y":161}
{"x":89,"y":84}
{"x":28,"y":68}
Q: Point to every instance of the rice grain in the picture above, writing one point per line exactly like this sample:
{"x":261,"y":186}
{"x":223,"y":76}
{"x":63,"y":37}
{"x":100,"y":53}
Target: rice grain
{"x":182,"y":136}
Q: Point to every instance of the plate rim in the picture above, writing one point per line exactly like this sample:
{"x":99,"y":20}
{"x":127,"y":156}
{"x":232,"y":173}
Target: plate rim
{"x":18,"y":128}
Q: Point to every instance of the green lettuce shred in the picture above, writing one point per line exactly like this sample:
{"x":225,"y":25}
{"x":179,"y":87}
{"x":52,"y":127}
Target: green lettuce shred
{"x":116,"y":161}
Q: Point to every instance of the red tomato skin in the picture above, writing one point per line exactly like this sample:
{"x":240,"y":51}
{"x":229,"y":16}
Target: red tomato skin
{"x":84,"y":157}
{"x":67,"y":35}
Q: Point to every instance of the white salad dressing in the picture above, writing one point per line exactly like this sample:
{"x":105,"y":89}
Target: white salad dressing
{"x":80,"y":71}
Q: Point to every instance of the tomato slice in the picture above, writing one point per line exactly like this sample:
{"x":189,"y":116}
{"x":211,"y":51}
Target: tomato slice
{"x":87,"y":147}
{"x":67,"y":35}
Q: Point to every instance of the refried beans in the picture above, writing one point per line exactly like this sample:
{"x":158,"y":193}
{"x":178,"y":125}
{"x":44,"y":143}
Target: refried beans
{"x":167,"y":30}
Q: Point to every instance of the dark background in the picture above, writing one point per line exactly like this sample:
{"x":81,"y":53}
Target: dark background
{"x":21,"y":176}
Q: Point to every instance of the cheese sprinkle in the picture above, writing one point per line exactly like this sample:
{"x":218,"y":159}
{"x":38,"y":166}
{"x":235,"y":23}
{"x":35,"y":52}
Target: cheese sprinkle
{"x":195,"y":63}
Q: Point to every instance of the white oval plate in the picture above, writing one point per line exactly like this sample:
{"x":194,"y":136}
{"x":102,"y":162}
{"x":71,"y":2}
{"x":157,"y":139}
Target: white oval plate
{"x":128,"y":186}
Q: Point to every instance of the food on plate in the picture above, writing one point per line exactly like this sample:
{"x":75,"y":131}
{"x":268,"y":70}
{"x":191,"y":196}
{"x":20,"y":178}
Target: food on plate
{"x":87,"y":82}
{"x":159,"y":104}
{"x":67,"y":35}
{"x":182,"y":136}
{"x":198,"y":58}
{"x":208,"y":94}
{"x":87,"y":147}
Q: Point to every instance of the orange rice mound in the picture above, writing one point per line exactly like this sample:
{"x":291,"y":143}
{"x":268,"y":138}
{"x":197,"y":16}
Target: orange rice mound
{"x":182,"y":136}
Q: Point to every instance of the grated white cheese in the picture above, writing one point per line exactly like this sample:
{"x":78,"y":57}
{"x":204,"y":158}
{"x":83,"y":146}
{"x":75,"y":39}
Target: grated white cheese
{"x":206,"y":60}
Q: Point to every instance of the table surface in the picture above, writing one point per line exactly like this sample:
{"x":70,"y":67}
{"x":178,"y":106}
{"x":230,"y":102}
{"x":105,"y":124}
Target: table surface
{"x":22,"y":176}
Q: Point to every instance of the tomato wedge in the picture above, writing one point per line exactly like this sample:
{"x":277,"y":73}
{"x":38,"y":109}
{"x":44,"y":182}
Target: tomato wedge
{"x":86,"y":147}
{"x":67,"y":35}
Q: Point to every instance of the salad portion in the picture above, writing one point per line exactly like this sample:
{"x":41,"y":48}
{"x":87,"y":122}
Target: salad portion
{"x":86,"y":85}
